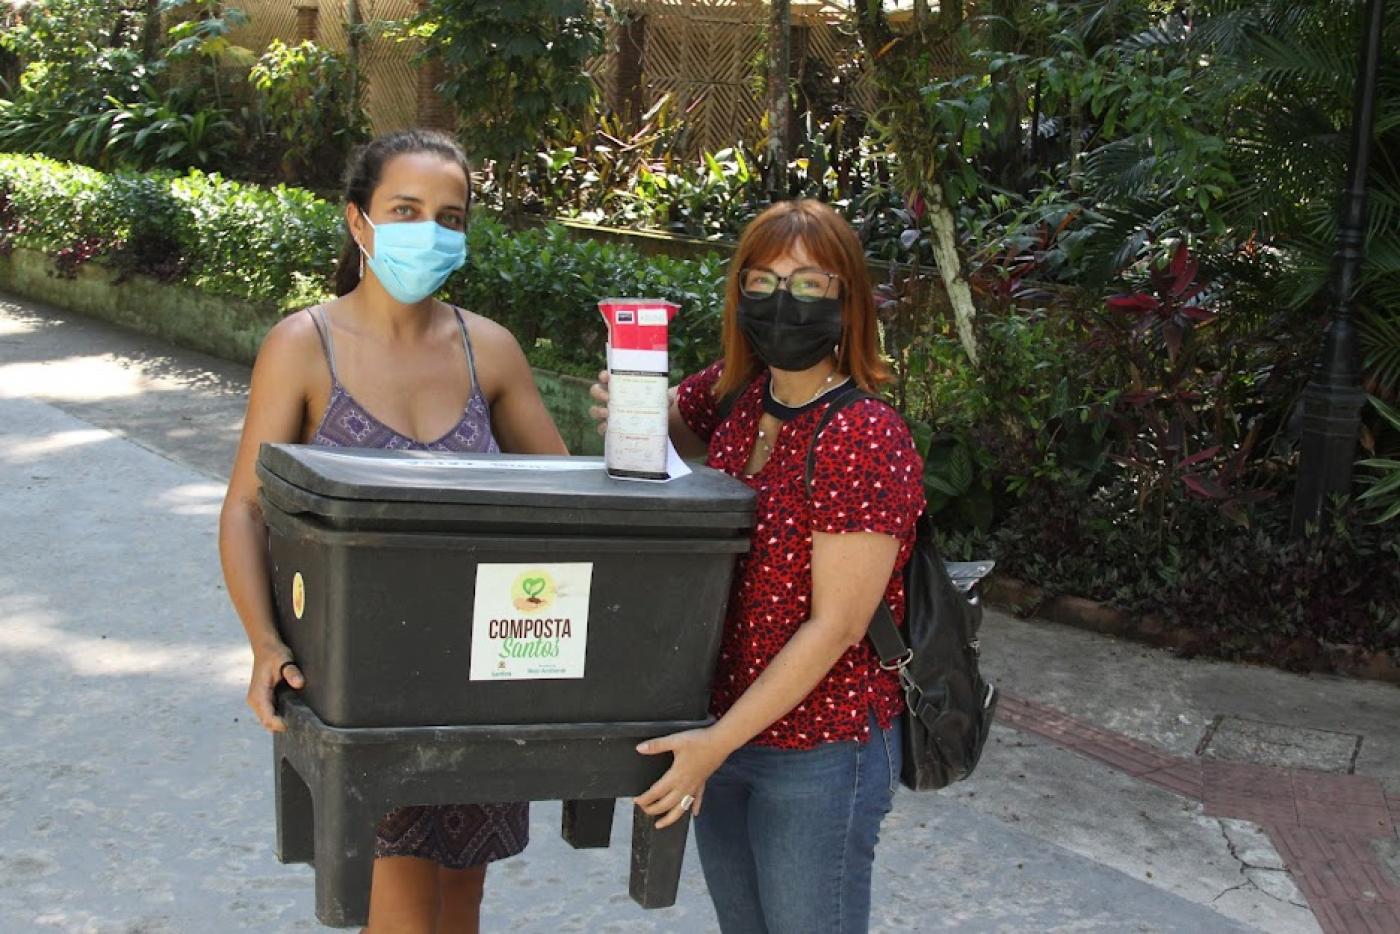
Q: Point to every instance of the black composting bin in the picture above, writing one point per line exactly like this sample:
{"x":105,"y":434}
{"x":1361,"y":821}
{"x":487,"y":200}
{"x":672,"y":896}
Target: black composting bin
{"x":477,"y":628}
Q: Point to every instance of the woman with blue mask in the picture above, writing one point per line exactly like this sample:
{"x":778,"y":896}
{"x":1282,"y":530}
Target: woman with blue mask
{"x":387,"y":365}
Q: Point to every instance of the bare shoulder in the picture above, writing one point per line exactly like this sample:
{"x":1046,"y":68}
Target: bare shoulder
{"x":295,"y":332}
{"x":501,"y":366}
{"x":291,"y":351}
{"x":488,"y":336}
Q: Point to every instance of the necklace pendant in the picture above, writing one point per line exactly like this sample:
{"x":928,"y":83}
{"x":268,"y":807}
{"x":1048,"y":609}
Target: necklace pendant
{"x":776,"y":407}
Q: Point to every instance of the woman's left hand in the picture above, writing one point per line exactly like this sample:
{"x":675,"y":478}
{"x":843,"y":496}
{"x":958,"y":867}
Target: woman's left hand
{"x":698,"y":754}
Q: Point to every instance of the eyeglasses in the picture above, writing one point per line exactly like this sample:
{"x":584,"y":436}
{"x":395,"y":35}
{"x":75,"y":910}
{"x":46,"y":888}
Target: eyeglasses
{"x":806,"y":284}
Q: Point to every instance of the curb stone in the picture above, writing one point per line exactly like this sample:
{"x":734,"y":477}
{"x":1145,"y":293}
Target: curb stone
{"x":1029,"y":600}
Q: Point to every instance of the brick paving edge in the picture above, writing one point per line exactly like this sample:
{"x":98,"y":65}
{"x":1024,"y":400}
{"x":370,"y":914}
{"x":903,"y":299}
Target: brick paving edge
{"x":1322,"y":825}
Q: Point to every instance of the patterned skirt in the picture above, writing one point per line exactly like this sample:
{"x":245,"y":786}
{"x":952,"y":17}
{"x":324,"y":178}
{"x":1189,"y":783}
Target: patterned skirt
{"x":455,"y":836}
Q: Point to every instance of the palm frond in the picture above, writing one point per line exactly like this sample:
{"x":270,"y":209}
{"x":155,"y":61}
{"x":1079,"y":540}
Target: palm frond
{"x":1224,"y":31}
{"x":1382,"y":215}
{"x":1121,"y":168}
{"x":1380,"y":344}
{"x":1116,"y":233}
{"x":1165,"y":36}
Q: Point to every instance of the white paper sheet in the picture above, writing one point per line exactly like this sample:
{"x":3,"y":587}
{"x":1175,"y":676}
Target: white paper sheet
{"x":675,"y":467}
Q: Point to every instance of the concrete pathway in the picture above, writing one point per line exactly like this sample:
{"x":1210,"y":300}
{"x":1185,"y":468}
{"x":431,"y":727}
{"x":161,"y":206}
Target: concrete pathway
{"x":136,"y":791}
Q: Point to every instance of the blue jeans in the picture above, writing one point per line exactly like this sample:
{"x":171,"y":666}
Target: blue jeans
{"x":787,"y":838}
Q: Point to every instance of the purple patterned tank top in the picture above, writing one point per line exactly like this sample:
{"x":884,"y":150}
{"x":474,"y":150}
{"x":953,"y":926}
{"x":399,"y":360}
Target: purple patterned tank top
{"x":347,"y":424}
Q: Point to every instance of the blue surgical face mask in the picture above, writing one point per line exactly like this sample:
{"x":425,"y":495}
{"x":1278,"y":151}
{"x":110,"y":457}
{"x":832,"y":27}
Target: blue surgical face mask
{"x":412,"y":259}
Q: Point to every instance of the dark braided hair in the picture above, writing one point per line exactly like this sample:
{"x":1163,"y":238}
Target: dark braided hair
{"x":362,"y":178}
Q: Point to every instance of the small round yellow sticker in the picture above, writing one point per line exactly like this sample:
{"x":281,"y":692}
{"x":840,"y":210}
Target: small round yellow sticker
{"x":298,"y":595}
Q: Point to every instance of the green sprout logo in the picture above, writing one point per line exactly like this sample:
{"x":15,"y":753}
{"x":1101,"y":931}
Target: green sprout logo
{"x":533,"y":592}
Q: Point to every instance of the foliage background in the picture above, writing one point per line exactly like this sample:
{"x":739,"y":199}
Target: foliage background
{"x":1109,"y":227}
{"x":278,"y":246}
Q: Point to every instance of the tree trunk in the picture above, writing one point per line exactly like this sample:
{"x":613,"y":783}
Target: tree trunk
{"x":1004,"y":158}
{"x":900,"y":72}
{"x":1035,"y":126}
{"x":1076,"y":147}
{"x":779,"y":103}
{"x":944,"y":227}
{"x":352,"y":59}
{"x":874,"y":28}
{"x":628,"y":91}
{"x":151,"y":32}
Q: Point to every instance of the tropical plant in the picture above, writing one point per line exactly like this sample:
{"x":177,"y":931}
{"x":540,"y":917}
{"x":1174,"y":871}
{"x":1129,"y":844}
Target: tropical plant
{"x":1255,"y":593}
{"x":75,"y":47}
{"x":513,"y":70}
{"x":1173,"y":422}
{"x":155,"y":130}
{"x":1383,"y":491}
{"x":1380,"y":335}
{"x":168,"y":130}
{"x":203,"y":38}
{"x":306,"y":103}
{"x":714,"y":202}
{"x":78,"y":58}
{"x":587,"y":171}
{"x":97,"y":88}
{"x":1291,"y":75}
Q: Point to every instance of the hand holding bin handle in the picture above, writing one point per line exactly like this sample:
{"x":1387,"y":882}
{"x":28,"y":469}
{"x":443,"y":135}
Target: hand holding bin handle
{"x":639,"y":369}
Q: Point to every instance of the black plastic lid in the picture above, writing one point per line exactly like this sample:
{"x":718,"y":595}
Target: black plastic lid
{"x":343,"y":485}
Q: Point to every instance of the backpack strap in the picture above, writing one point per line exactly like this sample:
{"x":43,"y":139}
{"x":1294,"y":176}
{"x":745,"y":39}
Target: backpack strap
{"x":840,"y":399}
{"x":886,"y":639}
{"x":725,"y":405}
{"x":883,"y":634}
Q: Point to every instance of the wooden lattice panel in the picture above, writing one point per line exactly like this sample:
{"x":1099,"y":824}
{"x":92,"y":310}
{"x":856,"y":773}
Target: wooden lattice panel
{"x":827,"y":41}
{"x":714,"y":48}
{"x":694,"y":49}
{"x":705,"y":52}
{"x":267,"y":20}
{"x":389,"y":77}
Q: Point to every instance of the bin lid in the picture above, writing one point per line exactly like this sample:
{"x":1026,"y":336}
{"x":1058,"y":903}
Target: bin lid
{"x":350,"y":485}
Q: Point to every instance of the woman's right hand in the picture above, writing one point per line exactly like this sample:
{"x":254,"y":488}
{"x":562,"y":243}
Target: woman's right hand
{"x":268,"y":672}
{"x":599,"y":392}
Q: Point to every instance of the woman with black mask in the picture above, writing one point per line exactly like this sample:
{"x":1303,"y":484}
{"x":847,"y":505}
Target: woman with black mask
{"x":800,"y":767}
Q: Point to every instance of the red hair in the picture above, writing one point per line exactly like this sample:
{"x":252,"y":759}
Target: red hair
{"x":832,"y":244}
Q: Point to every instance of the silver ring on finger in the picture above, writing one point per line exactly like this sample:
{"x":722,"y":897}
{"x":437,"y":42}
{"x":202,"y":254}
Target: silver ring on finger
{"x":686,"y":802}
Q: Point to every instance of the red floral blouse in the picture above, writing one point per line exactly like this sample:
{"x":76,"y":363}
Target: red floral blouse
{"x":867,"y":477}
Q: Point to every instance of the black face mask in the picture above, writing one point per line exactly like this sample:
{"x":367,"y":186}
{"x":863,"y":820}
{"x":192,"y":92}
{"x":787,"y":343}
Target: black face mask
{"x":788,"y":334}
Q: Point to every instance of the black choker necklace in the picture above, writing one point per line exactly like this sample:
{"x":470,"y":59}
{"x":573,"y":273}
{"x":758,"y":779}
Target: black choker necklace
{"x":784,"y":412}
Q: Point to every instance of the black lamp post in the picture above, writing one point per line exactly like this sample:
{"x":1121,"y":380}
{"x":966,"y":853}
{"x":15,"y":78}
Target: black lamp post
{"x":1333,"y":399}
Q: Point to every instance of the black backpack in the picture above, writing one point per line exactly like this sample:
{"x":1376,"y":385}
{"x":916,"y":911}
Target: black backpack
{"x":950,"y":706}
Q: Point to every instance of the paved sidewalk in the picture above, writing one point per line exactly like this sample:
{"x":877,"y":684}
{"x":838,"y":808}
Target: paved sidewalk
{"x":1124,"y":790}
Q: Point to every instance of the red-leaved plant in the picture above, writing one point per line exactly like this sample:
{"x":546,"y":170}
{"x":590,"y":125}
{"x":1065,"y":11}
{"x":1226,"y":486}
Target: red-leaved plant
{"x":1171,"y":302}
{"x":1169,"y":424}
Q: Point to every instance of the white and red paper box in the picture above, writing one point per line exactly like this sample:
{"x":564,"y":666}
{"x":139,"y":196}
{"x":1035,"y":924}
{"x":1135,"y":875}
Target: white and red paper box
{"x":636,"y":446}
{"x":638,"y":333}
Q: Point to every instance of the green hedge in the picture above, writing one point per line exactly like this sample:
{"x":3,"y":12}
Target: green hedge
{"x":545,"y":287}
{"x":278,"y":247}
